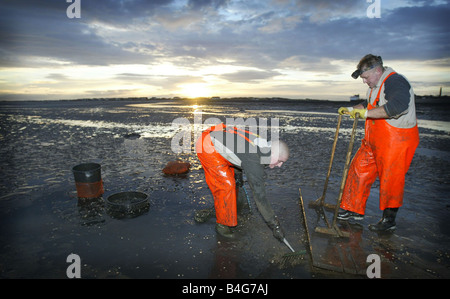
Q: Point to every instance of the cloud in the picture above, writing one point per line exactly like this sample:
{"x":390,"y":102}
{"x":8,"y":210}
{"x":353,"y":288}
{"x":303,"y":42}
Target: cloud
{"x":319,"y":11}
{"x":306,"y":64}
{"x":249,"y":76}
{"x":257,"y":40}
{"x":404,"y":33}
{"x":45,"y":31}
{"x":57,"y":77}
{"x":215,"y":4}
{"x":121,"y":12}
{"x":115,"y":32}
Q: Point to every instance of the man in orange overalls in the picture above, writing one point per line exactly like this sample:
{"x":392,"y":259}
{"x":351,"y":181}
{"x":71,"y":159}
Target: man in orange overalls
{"x":391,"y":138}
{"x":223,"y":149}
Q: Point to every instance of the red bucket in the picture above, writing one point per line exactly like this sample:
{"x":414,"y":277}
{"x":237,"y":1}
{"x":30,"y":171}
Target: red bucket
{"x":88,"y":180}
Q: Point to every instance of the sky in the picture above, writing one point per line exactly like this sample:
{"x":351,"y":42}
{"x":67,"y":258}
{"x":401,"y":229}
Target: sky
{"x":228,"y":48}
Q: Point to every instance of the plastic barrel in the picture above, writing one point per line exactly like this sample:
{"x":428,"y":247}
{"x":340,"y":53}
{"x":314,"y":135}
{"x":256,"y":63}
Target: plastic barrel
{"x":88,"y":180}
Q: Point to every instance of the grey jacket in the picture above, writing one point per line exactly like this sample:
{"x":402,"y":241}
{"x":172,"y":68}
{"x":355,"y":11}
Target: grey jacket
{"x":249,"y":153}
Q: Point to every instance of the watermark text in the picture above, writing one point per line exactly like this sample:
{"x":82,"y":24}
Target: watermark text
{"x":374,"y":269}
{"x":374,"y":9}
{"x":74,"y":9}
{"x":262,"y":128}
{"x":74,"y":269}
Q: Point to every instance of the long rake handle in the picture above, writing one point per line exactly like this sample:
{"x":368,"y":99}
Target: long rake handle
{"x":346,"y":167}
{"x":321,"y":199}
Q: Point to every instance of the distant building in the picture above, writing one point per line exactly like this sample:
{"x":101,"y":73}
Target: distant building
{"x":215,"y":98}
{"x":354,"y":98}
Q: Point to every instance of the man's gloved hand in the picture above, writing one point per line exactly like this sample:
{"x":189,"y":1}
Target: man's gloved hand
{"x":277,"y":231}
{"x":345,"y":110}
{"x":362,"y":113}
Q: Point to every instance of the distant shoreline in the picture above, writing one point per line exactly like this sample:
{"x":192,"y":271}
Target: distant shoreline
{"x":419,"y":100}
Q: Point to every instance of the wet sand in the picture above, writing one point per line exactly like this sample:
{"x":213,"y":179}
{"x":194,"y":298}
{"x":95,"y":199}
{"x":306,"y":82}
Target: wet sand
{"x":42,"y":221}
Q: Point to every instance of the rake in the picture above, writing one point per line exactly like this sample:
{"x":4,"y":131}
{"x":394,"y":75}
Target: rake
{"x":333,"y":229}
{"x":320,"y":201}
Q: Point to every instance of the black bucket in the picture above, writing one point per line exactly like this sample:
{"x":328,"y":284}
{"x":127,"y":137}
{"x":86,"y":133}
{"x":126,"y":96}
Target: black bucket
{"x":88,"y":180}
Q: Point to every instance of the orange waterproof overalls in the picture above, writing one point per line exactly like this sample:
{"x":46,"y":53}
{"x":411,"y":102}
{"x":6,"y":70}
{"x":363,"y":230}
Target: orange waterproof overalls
{"x":219,"y":175}
{"x":386,"y":152}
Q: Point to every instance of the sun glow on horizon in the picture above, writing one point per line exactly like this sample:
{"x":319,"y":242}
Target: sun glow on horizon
{"x":134,"y":80}
{"x":195,"y":90}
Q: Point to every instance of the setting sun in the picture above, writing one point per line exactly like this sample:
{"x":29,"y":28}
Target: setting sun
{"x":195,"y":90}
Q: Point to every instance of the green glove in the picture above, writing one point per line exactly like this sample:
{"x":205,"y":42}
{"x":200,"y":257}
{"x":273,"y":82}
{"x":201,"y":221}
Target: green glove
{"x":345,"y":110}
{"x":362,"y":113}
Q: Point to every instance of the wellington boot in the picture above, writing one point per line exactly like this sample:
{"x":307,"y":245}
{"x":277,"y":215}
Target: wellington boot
{"x":224,"y":231}
{"x":348,"y":215}
{"x":387,"y":223}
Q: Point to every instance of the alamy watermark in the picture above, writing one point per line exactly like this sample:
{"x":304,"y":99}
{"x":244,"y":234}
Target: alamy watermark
{"x":74,"y":9}
{"x":74,"y":269}
{"x":374,"y":269}
{"x":188,"y":134}
{"x":374,"y":9}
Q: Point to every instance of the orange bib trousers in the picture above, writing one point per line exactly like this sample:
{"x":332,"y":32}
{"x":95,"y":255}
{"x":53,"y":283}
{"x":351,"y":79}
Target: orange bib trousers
{"x":386,"y":152}
{"x":219,"y":175}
